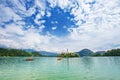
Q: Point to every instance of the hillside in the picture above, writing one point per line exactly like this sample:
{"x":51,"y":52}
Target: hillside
{"x":48,"y":54}
{"x":7,"y":52}
{"x":85,"y":52}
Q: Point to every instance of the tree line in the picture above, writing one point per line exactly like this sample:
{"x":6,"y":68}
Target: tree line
{"x":7,"y":52}
{"x":113,"y":52}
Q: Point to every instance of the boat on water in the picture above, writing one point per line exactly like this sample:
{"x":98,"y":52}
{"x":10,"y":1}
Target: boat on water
{"x":29,"y":59}
{"x":59,"y":58}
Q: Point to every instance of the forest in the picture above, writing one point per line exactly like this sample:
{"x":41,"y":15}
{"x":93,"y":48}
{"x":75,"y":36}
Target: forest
{"x":7,"y":52}
{"x":112,"y":52}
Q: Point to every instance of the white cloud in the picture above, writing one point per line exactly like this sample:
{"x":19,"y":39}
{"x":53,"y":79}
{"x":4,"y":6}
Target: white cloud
{"x":53,"y":28}
{"x":41,"y":4}
{"x":7,"y":14}
{"x":101,"y":28}
{"x":100,"y":32}
{"x":54,"y":22}
{"x":53,"y":3}
{"x":48,"y":14}
{"x":26,"y":39}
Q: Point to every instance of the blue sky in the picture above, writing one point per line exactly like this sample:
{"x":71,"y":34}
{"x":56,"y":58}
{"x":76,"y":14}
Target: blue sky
{"x":55,"y":25}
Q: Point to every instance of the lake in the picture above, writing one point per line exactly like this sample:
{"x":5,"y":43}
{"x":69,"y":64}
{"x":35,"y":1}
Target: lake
{"x":49,"y":68}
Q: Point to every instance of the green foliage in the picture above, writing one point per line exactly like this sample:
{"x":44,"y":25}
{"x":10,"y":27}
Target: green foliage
{"x":15,"y":52}
{"x":113,"y":52}
{"x":97,"y":54}
{"x":67,"y":55}
{"x":35,"y":54}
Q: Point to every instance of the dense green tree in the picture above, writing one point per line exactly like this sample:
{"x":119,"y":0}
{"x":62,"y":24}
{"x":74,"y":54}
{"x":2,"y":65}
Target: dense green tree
{"x":113,"y":52}
{"x":97,"y":54}
{"x":67,"y":55}
{"x":6,"y":52}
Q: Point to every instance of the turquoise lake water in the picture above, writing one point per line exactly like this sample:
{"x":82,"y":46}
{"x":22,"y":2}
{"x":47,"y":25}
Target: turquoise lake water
{"x":49,"y":68}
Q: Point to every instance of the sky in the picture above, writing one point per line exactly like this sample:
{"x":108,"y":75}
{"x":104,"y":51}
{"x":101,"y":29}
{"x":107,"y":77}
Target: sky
{"x":58,"y":25}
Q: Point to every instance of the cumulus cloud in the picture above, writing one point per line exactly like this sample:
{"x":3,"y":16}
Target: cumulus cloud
{"x":15,"y":37}
{"x":7,"y":14}
{"x":100,"y":27}
{"x":97,"y":20}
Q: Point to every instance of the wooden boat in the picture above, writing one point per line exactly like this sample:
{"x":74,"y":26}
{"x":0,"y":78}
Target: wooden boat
{"x":29,"y":59}
{"x":59,"y":58}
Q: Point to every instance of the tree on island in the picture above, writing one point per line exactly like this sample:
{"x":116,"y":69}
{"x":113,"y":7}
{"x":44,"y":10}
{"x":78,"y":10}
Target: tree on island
{"x":68,"y":54}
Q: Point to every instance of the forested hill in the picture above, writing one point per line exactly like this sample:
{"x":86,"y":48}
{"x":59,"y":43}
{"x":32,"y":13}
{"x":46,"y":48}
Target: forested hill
{"x":6,"y":52}
{"x":112,"y":52}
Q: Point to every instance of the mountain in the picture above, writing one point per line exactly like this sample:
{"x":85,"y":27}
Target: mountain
{"x":85,"y":52}
{"x":100,"y":52}
{"x":48,"y":54}
{"x":30,"y":50}
{"x":43,"y":53}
